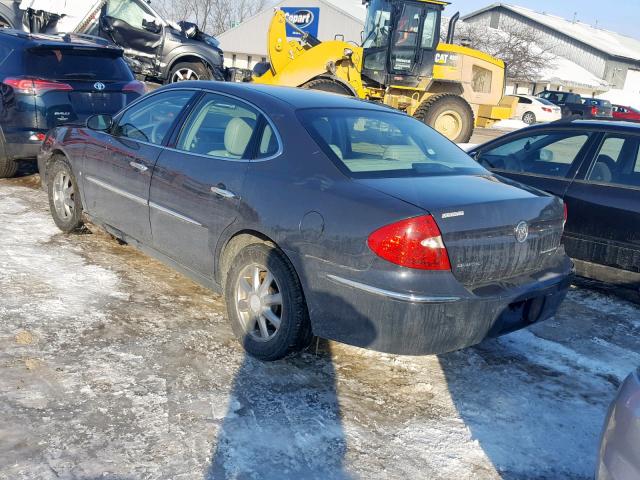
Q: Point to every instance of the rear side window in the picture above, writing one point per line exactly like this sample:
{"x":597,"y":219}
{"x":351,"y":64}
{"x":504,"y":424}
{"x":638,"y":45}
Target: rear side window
{"x":549,"y":154}
{"x":370,"y":143}
{"x":63,"y":64}
{"x":219,"y":127}
{"x":617,"y":162}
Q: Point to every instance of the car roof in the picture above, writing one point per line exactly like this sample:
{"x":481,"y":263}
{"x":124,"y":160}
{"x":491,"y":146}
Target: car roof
{"x":294,"y":98}
{"x":69,"y":40}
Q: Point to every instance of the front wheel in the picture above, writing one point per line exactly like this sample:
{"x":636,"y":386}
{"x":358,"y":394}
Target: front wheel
{"x":265,"y":303}
{"x":185,"y":71}
{"x":64,"y":199}
{"x":529,"y":118}
{"x":449,"y":114}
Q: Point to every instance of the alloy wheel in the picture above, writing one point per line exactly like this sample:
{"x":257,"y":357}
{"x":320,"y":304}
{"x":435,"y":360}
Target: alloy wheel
{"x":184,"y":74}
{"x":259,"y":302}
{"x":63,"y":195}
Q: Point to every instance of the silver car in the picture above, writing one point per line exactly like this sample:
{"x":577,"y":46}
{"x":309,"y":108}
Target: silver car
{"x":619,"y":457}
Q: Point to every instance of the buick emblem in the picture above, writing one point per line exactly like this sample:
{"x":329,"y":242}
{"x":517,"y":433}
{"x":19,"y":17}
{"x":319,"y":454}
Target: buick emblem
{"x":522,"y":232}
{"x":99,"y":86}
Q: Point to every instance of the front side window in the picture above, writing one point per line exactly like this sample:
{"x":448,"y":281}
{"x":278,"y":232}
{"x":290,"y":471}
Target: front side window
{"x":151,"y":119}
{"x":405,"y":39}
{"x":617,"y":161}
{"x":219,"y":127}
{"x":129,"y":12}
{"x":549,"y":154}
{"x":368,"y":144}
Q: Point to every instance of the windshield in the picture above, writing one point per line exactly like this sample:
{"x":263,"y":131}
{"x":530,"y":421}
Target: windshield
{"x":368,"y":143}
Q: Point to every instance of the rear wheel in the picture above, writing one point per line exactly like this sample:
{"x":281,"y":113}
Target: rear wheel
{"x":265,"y":303}
{"x":8,"y":167}
{"x":64,"y":199}
{"x":449,"y":115}
{"x":185,"y":71}
{"x":328,"y":85}
{"x":529,"y":118}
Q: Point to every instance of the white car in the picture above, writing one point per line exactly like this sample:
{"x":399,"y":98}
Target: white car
{"x":533,"y":110}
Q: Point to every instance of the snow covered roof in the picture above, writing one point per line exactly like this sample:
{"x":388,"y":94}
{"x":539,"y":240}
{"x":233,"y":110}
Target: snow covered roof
{"x":612,"y":43}
{"x":565,"y":72}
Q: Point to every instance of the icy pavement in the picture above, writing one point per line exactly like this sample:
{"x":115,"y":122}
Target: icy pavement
{"x":113,"y":366}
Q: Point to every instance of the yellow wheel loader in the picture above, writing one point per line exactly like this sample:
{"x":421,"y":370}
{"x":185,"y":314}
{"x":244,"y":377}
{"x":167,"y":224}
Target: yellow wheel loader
{"x":401,"y":63}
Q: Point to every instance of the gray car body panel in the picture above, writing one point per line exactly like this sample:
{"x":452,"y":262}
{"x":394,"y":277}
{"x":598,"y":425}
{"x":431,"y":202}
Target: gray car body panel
{"x":619,"y":457}
{"x":320,"y":218}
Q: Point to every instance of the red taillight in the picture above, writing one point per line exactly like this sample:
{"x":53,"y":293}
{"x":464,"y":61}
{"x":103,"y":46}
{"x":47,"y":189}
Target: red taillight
{"x":548,"y":110}
{"x":136,"y":87}
{"x":412,"y":243}
{"x":594,"y":111}
{"x":35,"y":86}
{"x":566,"y":215}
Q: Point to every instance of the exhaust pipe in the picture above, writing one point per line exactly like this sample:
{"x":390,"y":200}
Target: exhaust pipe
{"x":451,"y":33}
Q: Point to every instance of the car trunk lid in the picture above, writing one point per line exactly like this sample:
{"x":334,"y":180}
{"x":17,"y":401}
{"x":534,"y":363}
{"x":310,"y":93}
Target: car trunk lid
{"x":493,"y":229}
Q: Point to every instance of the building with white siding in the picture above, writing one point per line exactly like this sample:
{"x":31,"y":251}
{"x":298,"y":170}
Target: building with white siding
{"x":246,"y":44}
{"x":595,"y":54}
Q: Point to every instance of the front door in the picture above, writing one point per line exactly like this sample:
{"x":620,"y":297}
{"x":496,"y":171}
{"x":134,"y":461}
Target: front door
{"x":131,"y":25}
{"x":196,"y":188}
{"x":117,"y":182}
{"x":604,"y":206}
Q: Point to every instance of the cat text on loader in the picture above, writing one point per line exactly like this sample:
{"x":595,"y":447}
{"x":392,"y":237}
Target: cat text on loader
{"x":401,"y":63}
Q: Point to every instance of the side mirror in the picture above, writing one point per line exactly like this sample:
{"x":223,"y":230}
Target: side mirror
{"x":546,"y":155}
{"x":151,"y":26}
{"x":100,"y":123}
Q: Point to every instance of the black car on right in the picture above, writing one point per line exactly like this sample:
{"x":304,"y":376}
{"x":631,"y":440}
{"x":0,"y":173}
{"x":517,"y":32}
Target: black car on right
{"x":594,"y":166}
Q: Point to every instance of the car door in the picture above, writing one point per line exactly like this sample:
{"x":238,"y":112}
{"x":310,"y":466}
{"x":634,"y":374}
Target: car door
{"x":544,"y":159}
{"x":117,"y":179}
{"x":197,"y":186}
{"x":604,"y":205}
{"x":130,"y":24}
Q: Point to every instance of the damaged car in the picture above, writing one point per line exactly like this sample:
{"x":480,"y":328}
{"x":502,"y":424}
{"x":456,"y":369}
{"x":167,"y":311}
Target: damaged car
{"x":156,"y":49}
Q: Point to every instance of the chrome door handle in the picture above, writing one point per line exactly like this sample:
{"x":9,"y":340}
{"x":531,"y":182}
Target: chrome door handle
{"x":222,"y":192}
{"x":139,"y":166}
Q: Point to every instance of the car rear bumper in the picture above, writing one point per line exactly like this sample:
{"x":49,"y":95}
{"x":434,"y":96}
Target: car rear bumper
{"x":385,"y":319}
{"x":22,"y":144}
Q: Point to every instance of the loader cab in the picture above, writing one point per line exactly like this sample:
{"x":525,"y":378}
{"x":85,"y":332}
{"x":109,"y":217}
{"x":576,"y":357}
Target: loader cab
{"x":400,"y":41}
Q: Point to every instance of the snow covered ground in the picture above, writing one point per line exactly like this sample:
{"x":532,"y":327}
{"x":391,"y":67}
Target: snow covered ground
{"x":113,"y":366}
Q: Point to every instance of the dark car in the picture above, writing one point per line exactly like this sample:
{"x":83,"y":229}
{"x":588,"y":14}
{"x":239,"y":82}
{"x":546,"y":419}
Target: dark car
{"x":156,"y":49}
{"x":46,"y":81}
{"x":627,"y":114}
{"x":595,"y":167}
{"x":573,"y":104}
{"x":315,"y":213}
{"x":619,"y":456}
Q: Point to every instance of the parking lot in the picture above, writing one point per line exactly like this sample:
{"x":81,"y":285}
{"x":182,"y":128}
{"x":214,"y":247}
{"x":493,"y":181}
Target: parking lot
{"x":114,"y":366}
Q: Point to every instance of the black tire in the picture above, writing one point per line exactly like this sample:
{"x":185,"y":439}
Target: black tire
{"x":328,"y":85}
{"x":438,"y":105}
{"x":73,"y":221}
{"x":198,"y":69}
{"x":8,"y":167}
{"x":294,"y":332}
{"x":529,"y":118}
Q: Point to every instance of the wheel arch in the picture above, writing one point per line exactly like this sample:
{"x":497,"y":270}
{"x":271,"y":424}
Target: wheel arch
{"x":334,"y":79}
{"x":186,"y":58}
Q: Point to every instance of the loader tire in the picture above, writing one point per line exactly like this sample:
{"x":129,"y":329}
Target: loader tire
{"x":449,"y":115}
{"x":327,"y":85}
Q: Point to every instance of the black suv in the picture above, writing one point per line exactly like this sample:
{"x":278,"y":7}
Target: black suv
{"x":574,"y":105}
{"x":156,"y":49}
{"x":48,"y":80}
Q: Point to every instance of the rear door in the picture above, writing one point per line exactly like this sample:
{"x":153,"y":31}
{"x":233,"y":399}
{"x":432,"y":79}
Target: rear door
{"x":547,"y":160}
{"x":117,"y":183}
{"x":197,"y":186}
{"x":130,"y":24}
{"x":604,"y":205}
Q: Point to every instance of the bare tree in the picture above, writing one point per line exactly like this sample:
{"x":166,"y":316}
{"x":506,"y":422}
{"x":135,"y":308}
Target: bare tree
{"x":211,"y":16}
{"x":523,"y":49}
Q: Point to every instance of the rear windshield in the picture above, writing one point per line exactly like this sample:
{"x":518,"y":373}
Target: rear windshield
{"x":76,"y":65}
{"x":367,"y":143}
{"x":594,"y":102}
{"x":545,"y":102}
